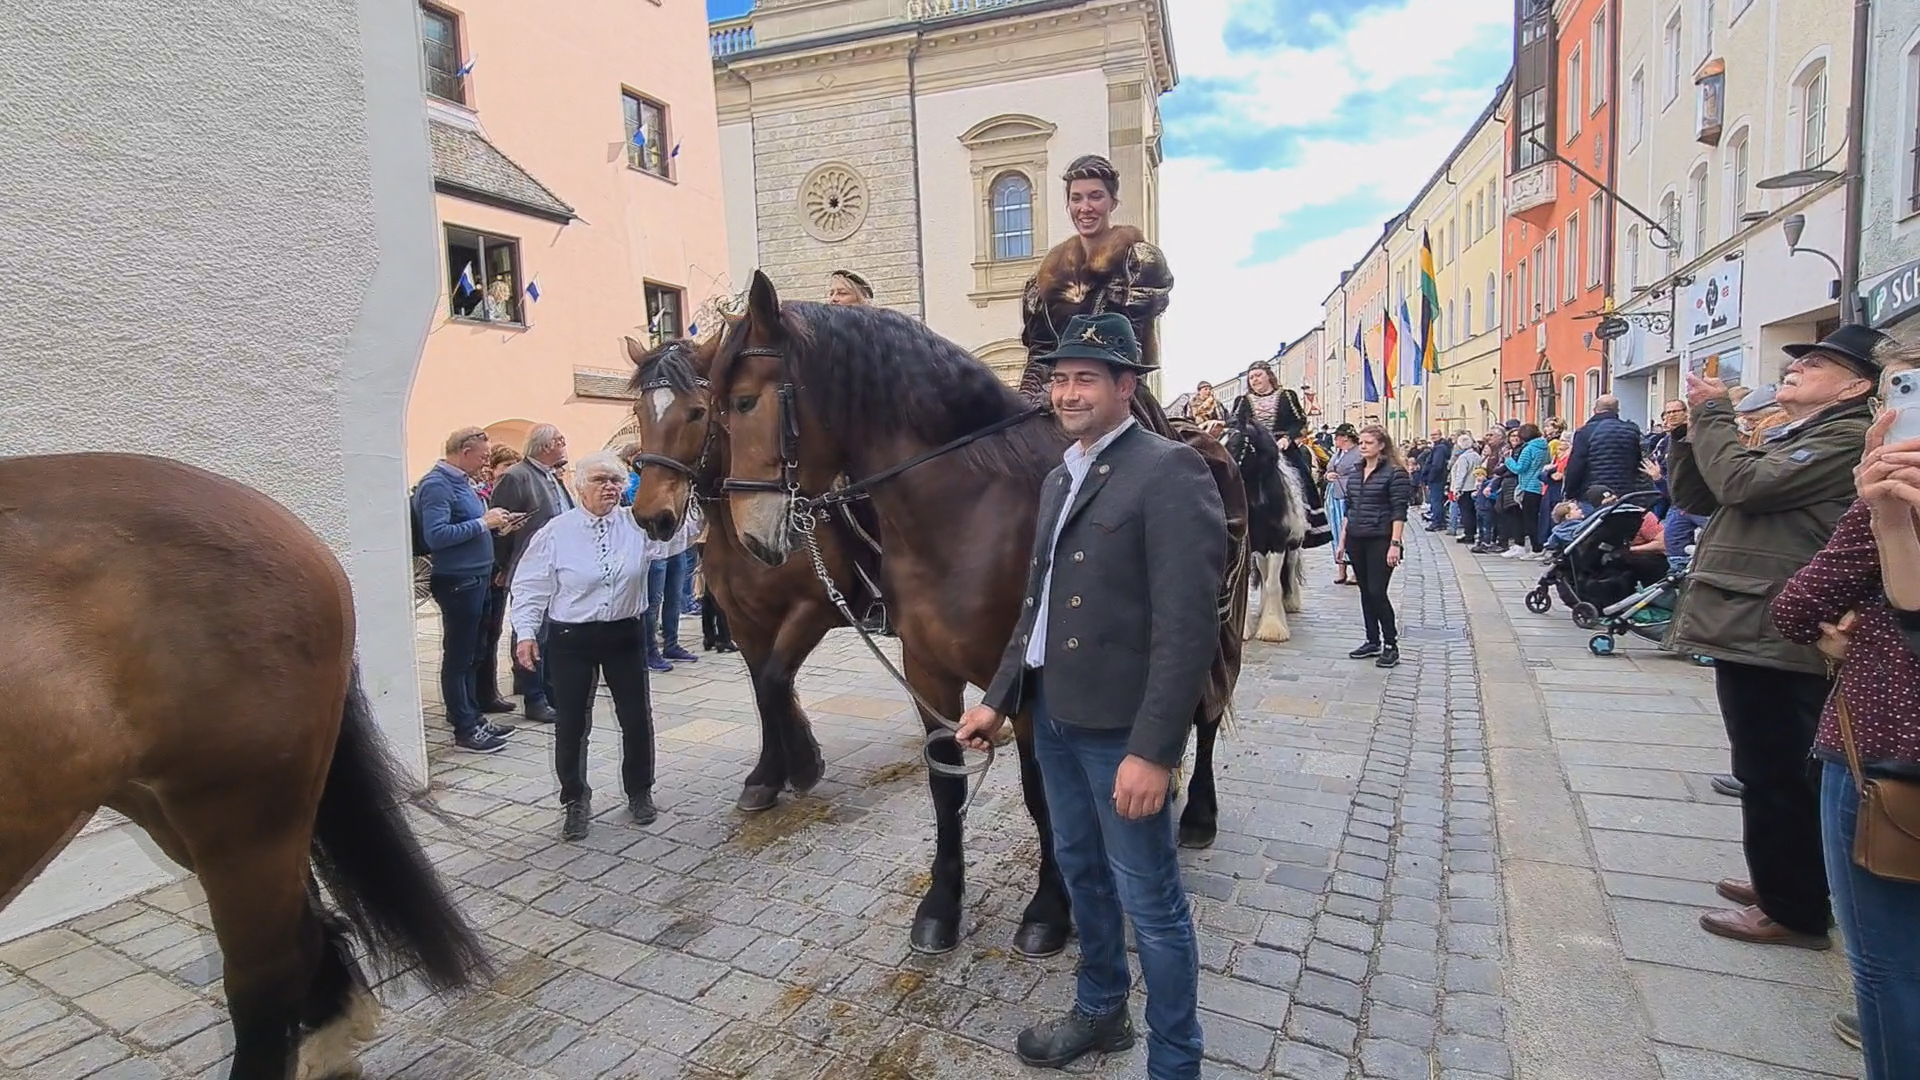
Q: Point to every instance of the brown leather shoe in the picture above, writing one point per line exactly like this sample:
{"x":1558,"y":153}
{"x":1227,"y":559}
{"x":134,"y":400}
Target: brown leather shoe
{"x":1750,"y":924}
{"x":1739,"y":891}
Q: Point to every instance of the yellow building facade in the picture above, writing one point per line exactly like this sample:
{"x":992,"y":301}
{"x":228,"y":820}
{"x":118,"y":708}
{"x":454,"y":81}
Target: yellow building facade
{"x":1460,"y":210}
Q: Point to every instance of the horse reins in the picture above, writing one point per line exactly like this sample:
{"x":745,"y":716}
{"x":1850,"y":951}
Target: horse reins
{"x":804,"y":513}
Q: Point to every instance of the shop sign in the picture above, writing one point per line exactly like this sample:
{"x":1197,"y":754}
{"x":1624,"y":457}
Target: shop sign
{"x":1895,"y":297}
{"x":1713,"y":303}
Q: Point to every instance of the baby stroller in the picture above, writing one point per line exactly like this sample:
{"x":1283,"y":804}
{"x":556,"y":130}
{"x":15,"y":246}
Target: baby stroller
{"x":1646,"y":612}
{"x":1592,"y":572}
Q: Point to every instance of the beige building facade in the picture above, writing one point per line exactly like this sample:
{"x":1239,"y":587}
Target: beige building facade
{"x":561,"y":231}
{"x":1716,"y":98}
{"x":919,"y":142}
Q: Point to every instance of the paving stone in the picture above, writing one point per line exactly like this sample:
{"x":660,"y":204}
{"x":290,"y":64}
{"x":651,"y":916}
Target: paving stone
{"x":1295,"y":1060}
{"x":1322,"y":1029}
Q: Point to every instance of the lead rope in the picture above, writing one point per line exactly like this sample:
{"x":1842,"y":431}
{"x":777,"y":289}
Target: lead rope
{"x":805,"y":522}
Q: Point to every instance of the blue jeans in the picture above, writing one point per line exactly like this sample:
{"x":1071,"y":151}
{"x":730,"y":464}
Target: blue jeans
{"x":692,"y":555}
{"x":463,"y":604}
{"x":1436,"y":504}
{"x":1112,"y":865}
{"x":665,"y":579}
{"x":1877,"y":918}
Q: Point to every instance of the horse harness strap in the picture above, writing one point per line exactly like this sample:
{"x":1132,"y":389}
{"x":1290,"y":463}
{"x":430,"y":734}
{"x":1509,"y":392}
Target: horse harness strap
{"x":862,"y":488}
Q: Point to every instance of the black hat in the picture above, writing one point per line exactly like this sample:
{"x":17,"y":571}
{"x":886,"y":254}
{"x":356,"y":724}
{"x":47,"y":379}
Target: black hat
{"x":1348,"y":431}
{"x":1851,"y":344}
{"x":1107,"y":338}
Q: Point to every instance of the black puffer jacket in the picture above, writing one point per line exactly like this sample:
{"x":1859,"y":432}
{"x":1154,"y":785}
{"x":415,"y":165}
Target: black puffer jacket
{"x":1606,"y":451}
{"x":1375,"y":502}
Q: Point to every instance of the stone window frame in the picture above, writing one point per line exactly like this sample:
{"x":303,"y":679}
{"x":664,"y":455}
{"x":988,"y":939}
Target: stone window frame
{"x":1006,"y":356}
{"x":996,"y":146}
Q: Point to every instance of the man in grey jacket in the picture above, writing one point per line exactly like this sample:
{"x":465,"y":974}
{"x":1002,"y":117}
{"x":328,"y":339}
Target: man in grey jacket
{"x":1110,"y":657}
{"x":532,"y":487}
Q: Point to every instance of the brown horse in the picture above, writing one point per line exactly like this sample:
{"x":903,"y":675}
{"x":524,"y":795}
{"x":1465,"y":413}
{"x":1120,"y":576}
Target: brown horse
{"x":814,"y":391}
{"x":179,"y":647}
{"x":777,"y":614}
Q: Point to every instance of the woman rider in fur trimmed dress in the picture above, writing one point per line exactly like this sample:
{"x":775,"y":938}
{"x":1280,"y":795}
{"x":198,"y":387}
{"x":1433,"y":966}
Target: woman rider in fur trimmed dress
{"x":1103,"y":267}
{"x":1280,"y":412}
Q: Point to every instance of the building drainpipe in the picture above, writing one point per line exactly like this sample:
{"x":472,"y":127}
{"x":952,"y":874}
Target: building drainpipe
{"x":1613,"y":183}
{"x":1855,"y":182}
{"x":919,"y":204}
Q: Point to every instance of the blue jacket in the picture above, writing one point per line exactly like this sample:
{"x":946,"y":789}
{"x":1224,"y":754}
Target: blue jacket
{"x":1533,"y":460}
{"x":1606,"y":451}
{"x":450,"y":511}
{"x":1434,"y":469}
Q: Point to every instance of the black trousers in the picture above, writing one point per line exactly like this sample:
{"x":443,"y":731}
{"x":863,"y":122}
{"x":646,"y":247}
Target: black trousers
{"x":1469,"y":518}
{"x":1771,"y":716}
{"x":1517,"y":523}
{"x":577,"y":654}
{"x":486,"y":667}
{"x":1368,"y":554}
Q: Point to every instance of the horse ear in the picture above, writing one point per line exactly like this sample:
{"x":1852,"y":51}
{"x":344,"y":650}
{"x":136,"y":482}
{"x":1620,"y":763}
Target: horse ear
{"x":763,"y":304}
{"x":636,"y":352}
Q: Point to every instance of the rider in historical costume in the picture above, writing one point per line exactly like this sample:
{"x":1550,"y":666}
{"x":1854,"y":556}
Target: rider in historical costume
{"x":1280,"y":412}
{"x":1102,"y":268}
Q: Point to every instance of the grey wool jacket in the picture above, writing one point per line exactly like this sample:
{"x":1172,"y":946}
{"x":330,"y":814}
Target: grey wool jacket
{"x":1133,"y":616}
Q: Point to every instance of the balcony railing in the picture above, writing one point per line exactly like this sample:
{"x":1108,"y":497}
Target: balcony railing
{"x":729,"y":36}
{"x":1533,"y":187}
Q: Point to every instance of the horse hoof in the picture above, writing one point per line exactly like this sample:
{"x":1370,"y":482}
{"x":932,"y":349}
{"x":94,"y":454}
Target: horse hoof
{"x":1039,"y":940}
{"x":934,"y":936}
{"x":1197,"y":836}
{"x":755,"y":798}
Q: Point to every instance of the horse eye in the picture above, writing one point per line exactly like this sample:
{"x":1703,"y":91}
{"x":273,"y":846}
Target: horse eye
{"x":745,"y":404}
{"x":697,"y":413}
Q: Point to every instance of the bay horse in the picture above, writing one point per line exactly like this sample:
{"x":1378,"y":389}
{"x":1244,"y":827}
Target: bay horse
{"x":809,"y":392}
{"x":1276,"y":525}
{"x":180,"y":648}
{"x":778,"y":615}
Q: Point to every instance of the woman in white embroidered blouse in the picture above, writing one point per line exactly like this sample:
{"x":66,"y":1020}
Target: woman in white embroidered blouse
{"x":585,"y":572}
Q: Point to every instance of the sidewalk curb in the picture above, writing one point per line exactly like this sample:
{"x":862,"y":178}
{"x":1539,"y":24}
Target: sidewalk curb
{"x":1576,"y":1013}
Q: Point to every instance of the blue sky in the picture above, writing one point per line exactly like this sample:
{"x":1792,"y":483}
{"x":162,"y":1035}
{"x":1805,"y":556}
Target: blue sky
{"x":1298,"y":128}
{"x":727,"y":9}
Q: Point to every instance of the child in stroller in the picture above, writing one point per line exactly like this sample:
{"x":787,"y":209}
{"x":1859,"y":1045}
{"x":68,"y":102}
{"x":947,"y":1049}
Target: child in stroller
{"x":1602,"y":556}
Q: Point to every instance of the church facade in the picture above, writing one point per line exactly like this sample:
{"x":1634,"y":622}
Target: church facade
{"x":919,"y":143}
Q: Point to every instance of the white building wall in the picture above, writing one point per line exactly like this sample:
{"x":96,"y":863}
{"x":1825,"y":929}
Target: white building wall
{"x":1076,"y":102}
{"x":743,"y":209}
{"x":1891,"y":226}
{"x":241,"y":278}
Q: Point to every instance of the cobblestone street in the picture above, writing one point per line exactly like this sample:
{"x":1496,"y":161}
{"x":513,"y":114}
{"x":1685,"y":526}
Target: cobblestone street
{"x":1354,"y":915}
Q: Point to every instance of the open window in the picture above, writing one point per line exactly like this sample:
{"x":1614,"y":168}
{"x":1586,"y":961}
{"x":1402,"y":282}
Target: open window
{"x":483,"y":276}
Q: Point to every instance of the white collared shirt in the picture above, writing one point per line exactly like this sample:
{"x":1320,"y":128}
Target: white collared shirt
{"x":1079,"y":463}
{"x":580,"y":568}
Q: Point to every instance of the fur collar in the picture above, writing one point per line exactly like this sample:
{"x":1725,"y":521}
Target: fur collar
{"x":1069,"y":269}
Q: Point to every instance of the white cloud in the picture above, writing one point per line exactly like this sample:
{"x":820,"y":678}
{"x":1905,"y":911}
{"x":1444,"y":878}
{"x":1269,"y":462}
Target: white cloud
{"x":1225,"y":314}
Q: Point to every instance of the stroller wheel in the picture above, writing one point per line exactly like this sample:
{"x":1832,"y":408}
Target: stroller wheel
{"x":1540,"y":601}
{"x":1601,"y":645}
{"x":1586,"y":616}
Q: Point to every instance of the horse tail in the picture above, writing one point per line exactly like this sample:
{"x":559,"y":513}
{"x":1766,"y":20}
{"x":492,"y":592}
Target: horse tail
{"x":370,"y":861}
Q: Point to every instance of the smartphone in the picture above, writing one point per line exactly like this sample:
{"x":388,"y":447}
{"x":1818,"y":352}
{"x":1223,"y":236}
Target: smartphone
{"x":1903,"y":397}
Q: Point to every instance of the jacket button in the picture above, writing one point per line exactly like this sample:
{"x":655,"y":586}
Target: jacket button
{"x":1036,"y":562}
{"x":1079,"y":556}
{"x":1023,"y":639}
{"x":1029,"y":601}
{"x":1105,"y":469}
{"x":1075,"y":602}
{"x":1073,"y":643}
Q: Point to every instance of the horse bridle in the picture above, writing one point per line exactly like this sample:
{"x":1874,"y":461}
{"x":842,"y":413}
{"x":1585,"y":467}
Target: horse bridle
{"x":785,"y":395}
{"x":691,"y":473}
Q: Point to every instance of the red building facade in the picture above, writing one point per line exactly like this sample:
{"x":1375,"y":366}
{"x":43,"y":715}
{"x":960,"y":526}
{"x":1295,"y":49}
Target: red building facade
{"x":1557,"y":248}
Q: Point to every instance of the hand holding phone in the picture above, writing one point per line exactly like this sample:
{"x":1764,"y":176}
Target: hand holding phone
{"x":1903,"y":399}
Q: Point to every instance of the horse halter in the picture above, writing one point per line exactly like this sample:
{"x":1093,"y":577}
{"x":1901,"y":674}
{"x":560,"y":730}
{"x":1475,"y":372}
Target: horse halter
{"x":691,"y":473}
{"x":788,"y":418}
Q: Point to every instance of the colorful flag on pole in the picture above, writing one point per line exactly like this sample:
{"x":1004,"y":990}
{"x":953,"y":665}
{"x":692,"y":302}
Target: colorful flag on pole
{"x":1409,"y":347}
{"x":465,"y":70}
{"x":640,"y":137}
{"x":468,"y":284}
{"x":533,"y":290}
{"x":1369,"y":391}
{"x":676,"y":151}
{"x":1389,"y":351}
{"x":1429,"y":307}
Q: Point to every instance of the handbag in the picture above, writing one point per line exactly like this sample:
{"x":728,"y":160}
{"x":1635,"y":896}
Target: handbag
{"x":1886,"y":834}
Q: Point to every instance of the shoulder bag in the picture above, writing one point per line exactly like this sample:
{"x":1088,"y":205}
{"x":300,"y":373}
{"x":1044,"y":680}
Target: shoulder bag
{"x":1886,"y":833}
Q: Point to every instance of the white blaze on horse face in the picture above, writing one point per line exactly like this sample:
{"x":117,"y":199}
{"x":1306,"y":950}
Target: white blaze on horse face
{"x":661,"y":400}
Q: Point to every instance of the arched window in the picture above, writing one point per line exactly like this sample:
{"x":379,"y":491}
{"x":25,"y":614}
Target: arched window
{"x":1739,"y":161}
{"x":1011,"y":203}
{"x":1593,"y":386}
{"x":1493,"y":308}
{"x":1670,"y":223}
{"x":1452,"y":327}
{"x":1698,"y":183}
{"x":1810,"y":105}
{"x":1466,"y":312}
{"x":1569,"y":404}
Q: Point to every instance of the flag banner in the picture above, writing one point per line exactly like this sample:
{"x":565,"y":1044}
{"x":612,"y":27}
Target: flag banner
{"x":533,"y":290}
{"x":1429,"y":309}
{"x":1389,"y":351}
{"x":468,"y":283}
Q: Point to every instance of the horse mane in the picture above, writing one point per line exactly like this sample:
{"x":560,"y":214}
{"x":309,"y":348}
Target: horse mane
{"x":869,"y":372}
